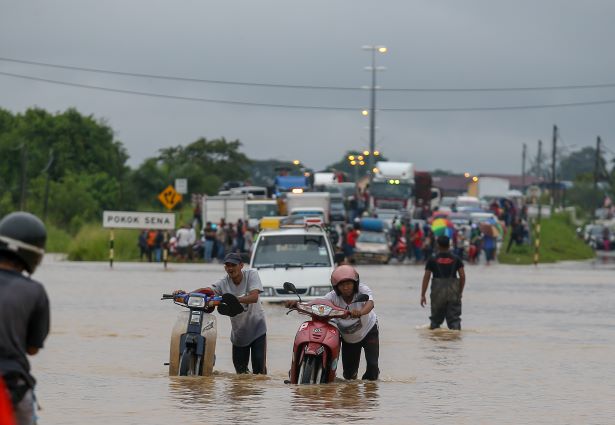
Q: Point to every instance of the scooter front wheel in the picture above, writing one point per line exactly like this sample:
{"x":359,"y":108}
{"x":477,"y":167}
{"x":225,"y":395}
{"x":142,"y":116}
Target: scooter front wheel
{"x":310,"y":370}
{"x":190,"y":364}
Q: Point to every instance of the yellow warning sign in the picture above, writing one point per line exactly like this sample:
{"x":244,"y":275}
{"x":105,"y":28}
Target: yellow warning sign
{"x":169,"y":197}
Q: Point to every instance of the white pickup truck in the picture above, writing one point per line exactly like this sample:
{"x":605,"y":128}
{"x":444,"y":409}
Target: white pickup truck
{"x":303,"y":256}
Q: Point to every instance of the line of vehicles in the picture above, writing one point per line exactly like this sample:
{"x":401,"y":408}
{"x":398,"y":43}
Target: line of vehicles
{"x":298,"y":230}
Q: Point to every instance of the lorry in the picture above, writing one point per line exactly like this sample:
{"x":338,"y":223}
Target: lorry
{"x":309,"y":203}
{"x":286,"y":184}
{"x":229,"y":208}
{"x":424,"y":191}
{"x":259,"y":208}
{"x":322,"y":179}
{"x":489,"y":187}
{"x":392,"y":187}
{"x":232,"y":208}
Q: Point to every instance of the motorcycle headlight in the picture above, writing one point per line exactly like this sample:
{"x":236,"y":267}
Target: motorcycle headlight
{"x":319,"y":291}
{"x":321,"y":310}
{"x":337,"y":313}
{"x":196,"y":302}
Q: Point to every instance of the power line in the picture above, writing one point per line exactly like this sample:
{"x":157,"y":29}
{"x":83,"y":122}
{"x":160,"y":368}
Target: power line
{"x":309,"y":87}
{"x":333,"y":108}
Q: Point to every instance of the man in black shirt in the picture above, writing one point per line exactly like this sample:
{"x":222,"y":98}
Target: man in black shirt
{"x":446,"y":287}
{"x":24,"y":308}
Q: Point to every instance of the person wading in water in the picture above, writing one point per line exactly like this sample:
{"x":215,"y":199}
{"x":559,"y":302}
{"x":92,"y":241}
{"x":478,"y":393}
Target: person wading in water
{"x":446,"y":287}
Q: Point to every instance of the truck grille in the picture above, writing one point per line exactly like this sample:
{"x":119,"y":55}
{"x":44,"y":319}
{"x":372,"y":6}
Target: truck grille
{"x":282,"y":291}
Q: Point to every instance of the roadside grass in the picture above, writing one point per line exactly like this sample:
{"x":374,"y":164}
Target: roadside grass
{"x":58,"y":240}
{"x":558,"y":242}
{"x":92,"y":244}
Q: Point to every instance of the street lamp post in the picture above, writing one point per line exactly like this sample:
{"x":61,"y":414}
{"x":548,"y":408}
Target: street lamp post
{"x":372,"y":106}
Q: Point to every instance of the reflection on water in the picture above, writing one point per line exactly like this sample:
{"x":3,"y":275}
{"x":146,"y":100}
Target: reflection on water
{"x":536,"y":347}
{"x":441,"y":335}
{"x":193,"y":391}
{"x":352,"y":398}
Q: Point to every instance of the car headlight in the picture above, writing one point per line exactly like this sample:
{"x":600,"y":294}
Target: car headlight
{"x":195,"y":301}
{"x":319,"y":291}
{"x":268,"y":291}
{"x":321,"y":310}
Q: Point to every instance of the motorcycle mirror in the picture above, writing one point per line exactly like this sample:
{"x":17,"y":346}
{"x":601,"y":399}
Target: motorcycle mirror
{"x":362,"y":298}
{"x":339,"y":257}
{"x":289,"y":287}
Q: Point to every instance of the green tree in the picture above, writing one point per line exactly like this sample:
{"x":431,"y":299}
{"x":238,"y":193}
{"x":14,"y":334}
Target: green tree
{"x":206,"y":164}
{"x":581,"y":162}
{"x":73,"y":145}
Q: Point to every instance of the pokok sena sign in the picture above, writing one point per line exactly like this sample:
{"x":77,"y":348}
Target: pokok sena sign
{"x":138,"y":220}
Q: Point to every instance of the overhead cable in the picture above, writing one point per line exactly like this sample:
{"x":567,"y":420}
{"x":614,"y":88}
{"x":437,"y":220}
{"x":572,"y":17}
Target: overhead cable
{"x":334,"y":108}
{"x":309,"y":87}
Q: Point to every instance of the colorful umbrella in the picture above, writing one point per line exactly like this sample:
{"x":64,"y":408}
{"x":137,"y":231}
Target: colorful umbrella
{"x":442,"y":226}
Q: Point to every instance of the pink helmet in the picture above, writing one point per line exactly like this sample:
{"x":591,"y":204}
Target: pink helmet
{"x":343,"y":273}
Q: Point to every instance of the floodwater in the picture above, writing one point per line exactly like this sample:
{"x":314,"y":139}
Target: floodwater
{"x":537,"y":346}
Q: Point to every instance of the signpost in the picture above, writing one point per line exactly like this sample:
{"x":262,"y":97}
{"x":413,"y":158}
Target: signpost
{"x":135,"y":220}
{"x":169,"y":197}
{"x":181,"y":186}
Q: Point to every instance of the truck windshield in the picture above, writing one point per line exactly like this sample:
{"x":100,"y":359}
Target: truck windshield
{"x":262,"y":210}
{"x":292,"y":250}
{"x":387,"y":190}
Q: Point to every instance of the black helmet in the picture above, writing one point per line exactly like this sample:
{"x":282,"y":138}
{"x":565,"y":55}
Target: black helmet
{"x":23,"y":236}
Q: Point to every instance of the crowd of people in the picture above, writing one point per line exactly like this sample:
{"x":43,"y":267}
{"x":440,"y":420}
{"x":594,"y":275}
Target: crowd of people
{"x":414,"y":239}
{"x":183,"y":244}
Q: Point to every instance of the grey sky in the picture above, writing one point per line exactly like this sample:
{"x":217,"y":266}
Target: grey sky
{"x":432,"y":44}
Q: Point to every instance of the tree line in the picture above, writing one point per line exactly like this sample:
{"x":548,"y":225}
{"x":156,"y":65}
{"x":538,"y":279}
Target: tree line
{"x":68,"y":168}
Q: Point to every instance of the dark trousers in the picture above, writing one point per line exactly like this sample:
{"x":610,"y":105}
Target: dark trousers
{"x":241,"y":356}
{"x":445,"y":303}
{"x":351,"y":355}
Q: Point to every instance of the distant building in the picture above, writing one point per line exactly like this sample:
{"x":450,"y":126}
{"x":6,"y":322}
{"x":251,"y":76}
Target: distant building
{"x":455,"y":185}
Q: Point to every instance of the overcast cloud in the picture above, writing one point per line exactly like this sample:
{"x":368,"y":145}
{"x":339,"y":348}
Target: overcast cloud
{"x":432,"y":44}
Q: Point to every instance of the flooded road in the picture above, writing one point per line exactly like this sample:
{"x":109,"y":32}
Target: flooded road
{"x":537,"y":346}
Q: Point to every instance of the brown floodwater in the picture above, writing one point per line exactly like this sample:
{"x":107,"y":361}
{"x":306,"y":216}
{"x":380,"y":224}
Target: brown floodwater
{"x":537,"y":346}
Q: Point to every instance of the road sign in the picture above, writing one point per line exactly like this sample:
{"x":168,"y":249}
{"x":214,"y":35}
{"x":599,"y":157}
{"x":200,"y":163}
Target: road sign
{"x":181,"y":186}
{"x":169,"y":197}
{"x":138,"y":220}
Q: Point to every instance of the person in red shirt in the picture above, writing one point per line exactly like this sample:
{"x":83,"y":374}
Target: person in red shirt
{"x":417,"y":242}
{"x":350,"y":243}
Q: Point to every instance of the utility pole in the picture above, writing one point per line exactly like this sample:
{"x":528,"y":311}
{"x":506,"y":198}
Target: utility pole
{"x":597,"y":164}
{"x":553,"y":177}
{"x":24,"y":161}
{"x":539,"y":161}
{"x":47,"y":172}
{"x":372,"y":107}
{"x":523,"y":166}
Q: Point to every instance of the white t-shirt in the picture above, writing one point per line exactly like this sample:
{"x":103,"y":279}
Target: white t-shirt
{"x":353,"y":330}
{"x":183,"y":237}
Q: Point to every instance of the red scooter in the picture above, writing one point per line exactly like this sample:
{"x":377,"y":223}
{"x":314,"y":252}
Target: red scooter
{"x":400,"y":249}
{"x":317,"y":343}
